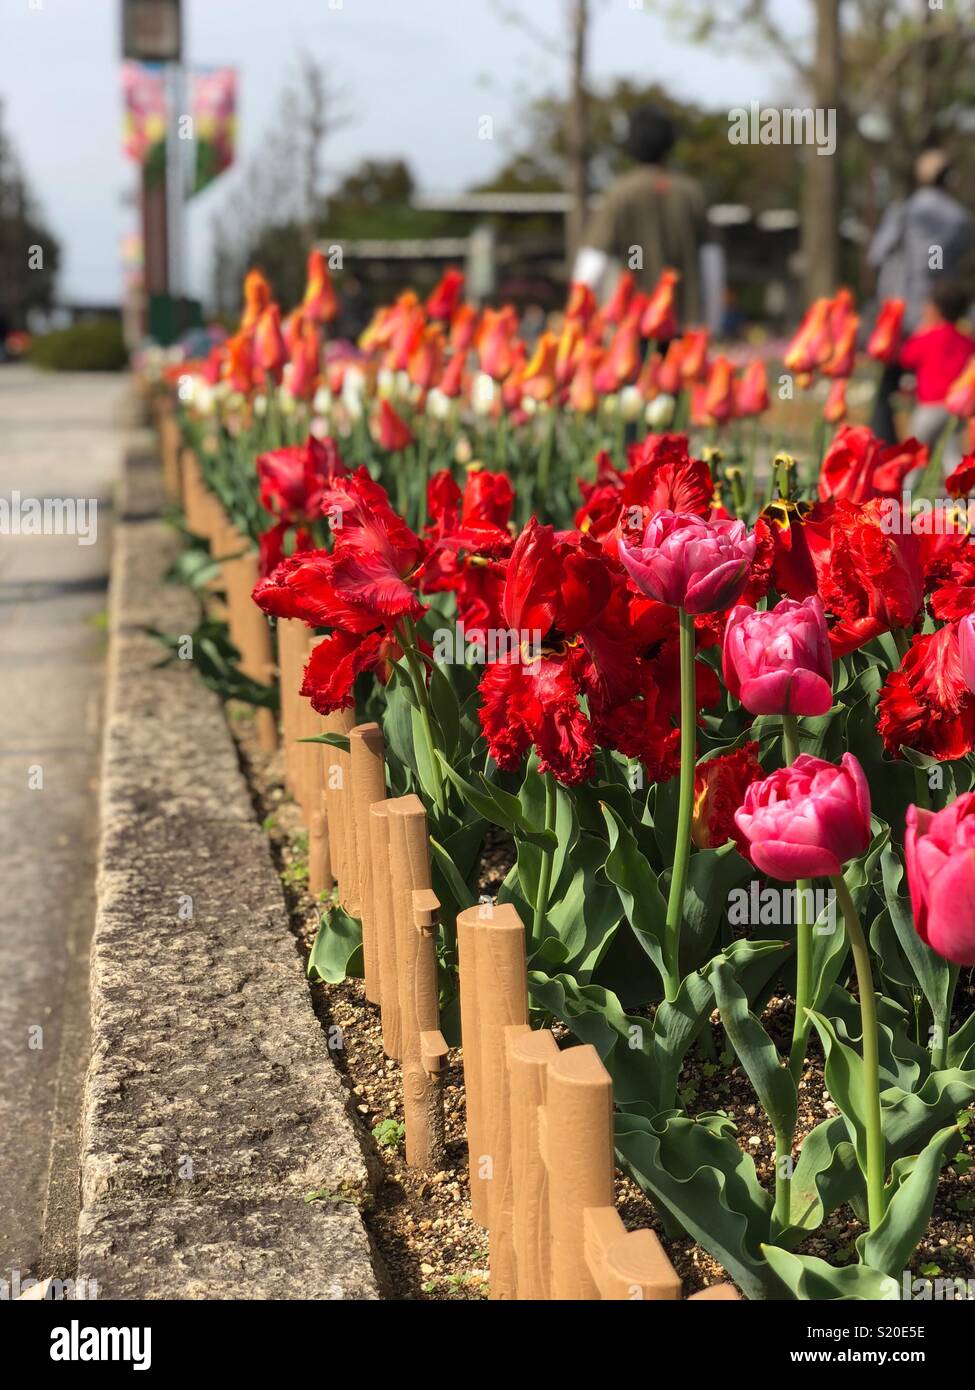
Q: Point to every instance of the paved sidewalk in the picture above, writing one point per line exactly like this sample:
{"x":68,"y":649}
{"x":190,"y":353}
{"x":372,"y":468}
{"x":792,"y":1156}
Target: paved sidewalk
{"x":61,"y":436}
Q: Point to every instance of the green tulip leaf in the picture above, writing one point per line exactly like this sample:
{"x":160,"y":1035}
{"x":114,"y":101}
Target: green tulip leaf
{"x":910,"y":1201}
{"x":635,"y":881}
{"x":704,"y":1182}
{"x":826,"y":1175}
{"x":772,"y":1082}
{"x":844,"y":1080}
{"x":337,"y":952}
{"x":806,"y":1277}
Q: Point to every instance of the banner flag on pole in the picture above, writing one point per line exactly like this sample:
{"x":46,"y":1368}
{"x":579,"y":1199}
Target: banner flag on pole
{"x":213,"y":105}
{"x":144,"y":116}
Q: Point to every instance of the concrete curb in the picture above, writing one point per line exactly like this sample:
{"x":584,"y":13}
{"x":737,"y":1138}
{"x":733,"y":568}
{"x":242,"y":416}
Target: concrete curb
{"x":212,"y":1105}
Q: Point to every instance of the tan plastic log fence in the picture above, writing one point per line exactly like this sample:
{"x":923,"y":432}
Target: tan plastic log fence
{"x":540,"y":1141}
{"x":539,"y":1119}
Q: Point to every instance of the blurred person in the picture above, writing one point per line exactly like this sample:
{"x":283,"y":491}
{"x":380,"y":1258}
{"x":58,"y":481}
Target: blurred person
{"x":655,"y":209}
{"x":937,"y":353}
{"x":901,"y":253}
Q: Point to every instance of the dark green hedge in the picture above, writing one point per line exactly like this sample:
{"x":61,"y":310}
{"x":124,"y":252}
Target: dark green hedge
{"x":85,"y":347}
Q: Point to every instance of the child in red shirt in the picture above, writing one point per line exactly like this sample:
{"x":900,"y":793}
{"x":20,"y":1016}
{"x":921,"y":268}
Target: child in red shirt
{"x":937,"y":354}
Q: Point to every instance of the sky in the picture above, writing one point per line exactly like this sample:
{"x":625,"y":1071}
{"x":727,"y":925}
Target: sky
{"x":418,"y":75}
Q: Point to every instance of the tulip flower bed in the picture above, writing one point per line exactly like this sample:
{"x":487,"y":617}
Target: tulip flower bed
{"x":712,"y":728}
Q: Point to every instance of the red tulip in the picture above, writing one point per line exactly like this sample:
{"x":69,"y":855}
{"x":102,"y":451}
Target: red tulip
{"x":238,"y":366}
{"x":393,"y":433}
{"x":939,"y":848}
{"x":842,"y":359}
{"x":779,"y":661}
{"x":966,"y":649}
{"x":807,"y":820}
{"x":445,"y":297}
{"x":719,"y":789}
{"x":961,"y":483}
{"x":927,"y":703}
{"x":687,"y":562}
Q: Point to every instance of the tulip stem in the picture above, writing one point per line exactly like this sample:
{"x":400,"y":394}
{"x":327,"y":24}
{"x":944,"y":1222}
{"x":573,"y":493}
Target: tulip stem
{"x":872,"y":1120}
{"x":800,"y":1024}
{"x":942,"y":1025}
{"x":688,"y":764}
{"x":410,"y":644}
{"x":545,"y":868}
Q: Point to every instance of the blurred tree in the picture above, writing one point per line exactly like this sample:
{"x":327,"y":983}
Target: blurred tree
{"x":29,"y":252}
{"x":896,"y":73}
{"x":274,"y":208}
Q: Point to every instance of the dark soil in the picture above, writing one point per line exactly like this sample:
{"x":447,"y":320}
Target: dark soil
{"x":422,"y":1224}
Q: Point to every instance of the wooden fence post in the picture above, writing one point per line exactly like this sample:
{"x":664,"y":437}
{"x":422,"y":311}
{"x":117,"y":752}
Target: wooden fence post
{"x":626,"y":1264}
{"x":529,"y":1055}
{"x":494,"y":995}
{"x":256,"y":645}
{"x":368,"y":786}
{"x":423,"y":1047}
{"x":384,"y":919}
{"x":577,"y":1143}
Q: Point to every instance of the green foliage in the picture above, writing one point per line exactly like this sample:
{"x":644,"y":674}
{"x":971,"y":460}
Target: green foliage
{"x":96,"y":346}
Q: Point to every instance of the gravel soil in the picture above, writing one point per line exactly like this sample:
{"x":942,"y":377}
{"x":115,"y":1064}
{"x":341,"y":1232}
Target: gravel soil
{"x":421,"y":1224}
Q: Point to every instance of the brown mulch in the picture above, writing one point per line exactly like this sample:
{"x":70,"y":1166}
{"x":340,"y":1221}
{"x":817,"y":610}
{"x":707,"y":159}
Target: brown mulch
{"x":421,"y":1224}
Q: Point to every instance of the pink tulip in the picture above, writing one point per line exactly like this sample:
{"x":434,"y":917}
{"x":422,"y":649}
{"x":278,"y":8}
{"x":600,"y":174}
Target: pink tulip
{"x":700,"y":566}
{"x":807,"y":820}
{"x":966,"y":648}
{"x":940,"y":851}
{"x":779,"y":662}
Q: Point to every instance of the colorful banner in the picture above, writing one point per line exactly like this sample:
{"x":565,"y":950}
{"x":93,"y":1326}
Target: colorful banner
{"x":144,"y":119}
{"x":213,"y":103}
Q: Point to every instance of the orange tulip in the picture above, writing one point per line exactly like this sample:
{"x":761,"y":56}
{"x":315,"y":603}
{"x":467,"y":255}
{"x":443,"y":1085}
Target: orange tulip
{"x":693,"y":361}
{"x":960,"y":399}
{"x":495,"y":341}
{"x":581,"y":304}
{"x":270,"y":349}
{"x":835,"y":408}
{"x":426,"y":359}
{"x":622,"y":360}
{"x":619,"y":301}
{"x":538,"y":380}
{"x":719,"y":395}
{"x":842,"y":358}
{"x":812,"y":344}
{"x":257,"y":296}
{"x":751,"y":390}
{"x":319,"y":302}
{"x":306,"y":362}
{"x":238,"y":366}
{"x":451,"y":381}
{"x":669,"y":377}
{"x":885,"y":340}
{"x":463,"y":326}
{"x":582,"y":390}
{"x":660,"y":315}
